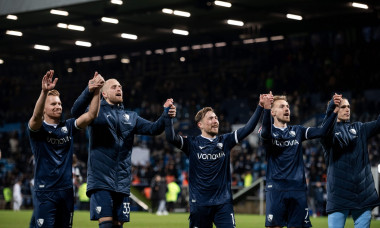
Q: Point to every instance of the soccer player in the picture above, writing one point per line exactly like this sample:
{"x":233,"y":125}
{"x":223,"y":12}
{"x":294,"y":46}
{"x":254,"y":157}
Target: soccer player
{"x":52,"y":146}
{"x":209,"y":167}
{"x":110,"y":148}
{"x":286,"y":198}
{"x":350,"y":184}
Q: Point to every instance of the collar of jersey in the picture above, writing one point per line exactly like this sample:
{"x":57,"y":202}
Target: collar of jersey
{"x":208,"y":138}
{"x":51,"y":125}
{"x":280,"y":128}
{"x":116,"y":106}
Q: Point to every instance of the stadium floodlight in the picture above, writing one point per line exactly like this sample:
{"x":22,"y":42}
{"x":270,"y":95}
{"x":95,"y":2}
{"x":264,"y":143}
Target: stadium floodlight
{"x":196,"y":47}
{"x":148,"y":52}
{"x":167,"y":11}
{"x":83,"y":43}
{"x":169,"y":50}
{"x":220,"y":44}
{"x":96,"y":58}
{"x":76,"y":27}
{"x":180,"y":32}
{"x":185,"y":48}
{"x":59,"y":12}
{"x":275,"y":38}
{"x":1,"y":61}
{"x":106,"y":57}
{"x":159,"y":52}
{"x":235,"y":22}
{"x":62,"y":25}
{"x":294,"y":16}
{"x":223,"y":4}
{"x":69,"y":70}
{"x":110,"y":20}
{"x":125,"y":60}
{"x":117,"y":2}
{"x":13,"y":33}
{"x":129,"y":36}
{"x":359,"y":5}
{"x":12,"y":17}
{"x":248,"y":41}
{"x":41,"y":47}
{"x":182,"y":59}
{"x":181,"y":13}
{"x":204,"y":46}
{"x":261,"y":40}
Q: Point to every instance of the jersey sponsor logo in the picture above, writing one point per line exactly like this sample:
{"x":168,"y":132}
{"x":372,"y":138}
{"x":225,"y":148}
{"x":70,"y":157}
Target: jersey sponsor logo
{"x":285,"y":143}
{"x":210,"y":156}
{"x":40,"y":222}
{"x":98,"y":209}
{"x":219,"y":145}
{"x":64,"y":129}
{"x":352,"y":131}
{"x":60,"y":141}
{"x":270,"y":218}
{"x":292,"y":133}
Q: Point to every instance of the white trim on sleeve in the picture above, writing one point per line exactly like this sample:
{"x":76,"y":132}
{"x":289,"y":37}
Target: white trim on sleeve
{"x":236,"y":139}
{"x":181,"y":142}
{"x":306,"y":132}
{"x":75,"y":124}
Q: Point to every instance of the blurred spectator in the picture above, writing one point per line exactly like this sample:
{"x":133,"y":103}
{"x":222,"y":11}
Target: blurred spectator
{"x":17,"y":196}
{"x":158,"y":196}
{"x":172,"y":194}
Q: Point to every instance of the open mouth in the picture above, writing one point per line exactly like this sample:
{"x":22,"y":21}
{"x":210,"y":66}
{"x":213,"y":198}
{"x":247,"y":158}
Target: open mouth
{"x":118,"y":94}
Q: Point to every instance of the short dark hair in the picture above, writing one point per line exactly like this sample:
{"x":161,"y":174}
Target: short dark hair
{"x":201,"y":113}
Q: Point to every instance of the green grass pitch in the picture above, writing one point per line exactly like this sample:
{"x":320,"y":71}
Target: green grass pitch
{"x":20,"y":219}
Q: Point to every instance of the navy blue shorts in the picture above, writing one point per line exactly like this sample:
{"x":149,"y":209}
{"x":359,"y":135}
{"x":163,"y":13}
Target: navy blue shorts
{"x":54,"y":208}
{"x":287,"y":208}
{"x":105,"y":203}
{"x":203,"y":216}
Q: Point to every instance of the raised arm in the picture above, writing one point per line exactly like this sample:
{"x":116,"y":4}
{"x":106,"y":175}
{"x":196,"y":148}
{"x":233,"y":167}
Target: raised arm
{"x":85,"y":119}
{"x":251,"y":124}
{"x":146,"y":127}
{"x":35,"y":121}
{"x":81,"y":103}
{"x":267,"y":119}
{"x":328,"y":122}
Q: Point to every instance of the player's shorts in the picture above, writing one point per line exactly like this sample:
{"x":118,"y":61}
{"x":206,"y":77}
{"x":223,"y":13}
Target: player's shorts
{"x":287,"y":208}
{"x":203,"y":216}
{"x":105,"y":203}
{"x":54,"y":208}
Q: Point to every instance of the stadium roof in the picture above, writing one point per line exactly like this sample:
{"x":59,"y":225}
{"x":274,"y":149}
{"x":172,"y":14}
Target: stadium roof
{"x":150,"y":28}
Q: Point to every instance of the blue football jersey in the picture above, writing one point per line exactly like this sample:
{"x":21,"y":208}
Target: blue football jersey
{"x":209,"y":172}
{"x":285,"y":169}
{"x":52,"y":146}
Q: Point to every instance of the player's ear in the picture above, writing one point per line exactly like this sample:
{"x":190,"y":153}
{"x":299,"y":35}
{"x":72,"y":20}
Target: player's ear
{"x":104,"y":94}
{"x":272,"y":112}
{"x":199,"y":124}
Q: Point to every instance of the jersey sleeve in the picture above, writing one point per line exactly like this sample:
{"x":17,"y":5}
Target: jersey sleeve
{"x":372,"y":127}
{"x":265,"y":131}
{"x":250,"y":126}
{"x":181,"y":142}
{"x":81,"y":103}
{"x":318,"y":132}
{"x":146,"y":127}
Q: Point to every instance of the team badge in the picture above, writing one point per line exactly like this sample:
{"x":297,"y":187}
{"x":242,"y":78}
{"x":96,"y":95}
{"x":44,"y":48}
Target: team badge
{"x":64,"y":129}
{"x":292,"y":133}
{"x":219,"y":145}
{"x":352,"y":131}
{"x":40,"y":222}
{"x":270,"y":218}
{"x":126,"y":117}
{"x":98,"y":209}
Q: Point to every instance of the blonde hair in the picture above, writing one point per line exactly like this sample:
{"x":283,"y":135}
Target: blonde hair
{"x":279,"y":98}
{"x":201,"y":113}
{"x":53,"y":92}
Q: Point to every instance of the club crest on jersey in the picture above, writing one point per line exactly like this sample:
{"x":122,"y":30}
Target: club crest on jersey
{"x":219,"y":145}
{"x":126,"y":117}
{"x":98,"y":209}
{"x":292,"y":133}
{"x":352,"y":131}
{"x":64,"y":129}
{"x":40,"y":222}
{"x":270,"y":218}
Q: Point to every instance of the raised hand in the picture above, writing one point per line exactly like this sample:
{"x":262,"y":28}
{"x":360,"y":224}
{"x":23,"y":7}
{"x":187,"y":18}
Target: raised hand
{"x":47,"y":81}
{"x":337,"y":99}
{"x":168,"y":103}
{"x":172,"y":111}
{"x":96,"y":82}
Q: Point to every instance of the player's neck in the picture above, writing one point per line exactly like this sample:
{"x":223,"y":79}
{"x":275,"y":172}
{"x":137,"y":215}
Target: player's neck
{"x":279,"y":124}
{"x":50,"y":120}
{"x":206,"y":135}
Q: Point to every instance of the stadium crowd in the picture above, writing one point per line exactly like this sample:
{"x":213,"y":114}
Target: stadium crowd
{"x":307,"y":68}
